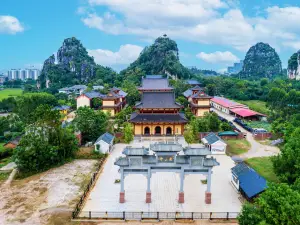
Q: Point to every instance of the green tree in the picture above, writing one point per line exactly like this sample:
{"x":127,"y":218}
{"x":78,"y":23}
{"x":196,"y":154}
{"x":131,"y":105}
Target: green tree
{"x":128,"y":133}
{"x":27,"y":103}
{"x":91,"y":124}
{"x":225,"y":126}
{"x":213,"y":121}
{"x":96,"y":103}
{"x":183,"y":101}
{"x":279,"y":204}
{"x":133,"y":94}
{"x":287,"y":164}
{"x":189,"y":135}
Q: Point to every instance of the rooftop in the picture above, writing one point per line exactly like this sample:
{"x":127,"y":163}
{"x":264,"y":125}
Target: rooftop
{"x":197,"y":151}
{"x":155,"y":84}
{"x":156,"y":100}
{"x":227,"y":103}
{"x":245,"y":112}
{"x":211,"y":138}
{"x":136,"y":151}
{"x":193,"y":82}
{"x":106,"y":137}
{"x":154,"y":76}
{"x":250,"y":181}
{"x":163,"y":147}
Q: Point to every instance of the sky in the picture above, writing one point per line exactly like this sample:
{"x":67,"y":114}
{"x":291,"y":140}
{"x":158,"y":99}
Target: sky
{"x":210,"y":34}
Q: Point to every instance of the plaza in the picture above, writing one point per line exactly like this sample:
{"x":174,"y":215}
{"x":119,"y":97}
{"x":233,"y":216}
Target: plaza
{"x":165,"y":187}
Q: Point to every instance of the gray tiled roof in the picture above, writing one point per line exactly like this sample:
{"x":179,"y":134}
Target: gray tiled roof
{"x":93,"y":94}
{"x":158,"y":100}
{"x":149,"y":159}
{"x":145,"y":117}
{"x":200,"y":94}
{"x":192,"y":82}
{"x":122,"y":93}
{"x":162,"y":147}
{"x":122,"y":161}
{"x":187,"y":93}
{"x":155,"y":84}
{"x":197,"y":151}
{"x":106,"y":137}
{"x":209,"y":162}
{"x":135,"y":151}
{"x":154,"y":76}
{"x":212,"y":138}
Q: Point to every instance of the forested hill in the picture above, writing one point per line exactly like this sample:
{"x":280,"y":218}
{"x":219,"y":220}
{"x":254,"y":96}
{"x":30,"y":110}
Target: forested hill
{"x":159,"y":58}
{"x":73,"y":65}
{"x":261,"y":61}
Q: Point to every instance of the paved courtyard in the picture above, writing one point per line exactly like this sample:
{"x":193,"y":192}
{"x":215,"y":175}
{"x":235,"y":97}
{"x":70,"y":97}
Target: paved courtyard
{"x":164,"y":188}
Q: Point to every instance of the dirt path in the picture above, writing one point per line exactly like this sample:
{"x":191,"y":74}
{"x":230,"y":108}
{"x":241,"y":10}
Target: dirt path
{"x":36,"y":199}
{"x":257,"y":149}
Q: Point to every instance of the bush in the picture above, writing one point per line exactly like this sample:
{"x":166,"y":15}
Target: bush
{"x":6,"y":152}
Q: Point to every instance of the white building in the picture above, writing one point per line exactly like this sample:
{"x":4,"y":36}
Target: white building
{"x":104,"y":143}
{"x":23,"y":74}
{"x":215,"y":144}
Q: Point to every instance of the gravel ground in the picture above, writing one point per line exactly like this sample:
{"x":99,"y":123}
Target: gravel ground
{"x":36,"y":199}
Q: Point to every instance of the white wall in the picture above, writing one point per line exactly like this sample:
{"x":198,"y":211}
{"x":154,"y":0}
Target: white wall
{"x":83,"y":101}
{"x":218,"y":148}
{"x":104,"y":147}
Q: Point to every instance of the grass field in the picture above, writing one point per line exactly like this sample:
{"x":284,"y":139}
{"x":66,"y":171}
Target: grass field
{"x":237,"y":147}
{"x":263,"y":166}
{"x":256,"y":105}
{"x":10,"y":92}
{"x":259,"y":124}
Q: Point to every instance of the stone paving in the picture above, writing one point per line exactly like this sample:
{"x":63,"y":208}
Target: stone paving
{"x":164,"y":187}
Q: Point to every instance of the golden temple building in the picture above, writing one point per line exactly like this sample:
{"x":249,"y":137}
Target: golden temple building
{"x":158,"y":112}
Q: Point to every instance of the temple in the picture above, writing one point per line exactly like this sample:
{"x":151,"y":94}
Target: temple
{"x":158,"y":113}
{"x":162,"y":157}
{"x":199,"y":102}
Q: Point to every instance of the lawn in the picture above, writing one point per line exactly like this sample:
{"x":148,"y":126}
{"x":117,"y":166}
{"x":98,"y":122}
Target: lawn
{"x":263,"y":166}
{"x":256,"y":105}
{"x":10,"y":92}
{"x":237,"y":147}
{"x":259,"y":124}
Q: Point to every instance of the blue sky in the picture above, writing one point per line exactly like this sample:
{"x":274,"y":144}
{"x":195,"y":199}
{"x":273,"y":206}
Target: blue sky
{"x":211,"y":34}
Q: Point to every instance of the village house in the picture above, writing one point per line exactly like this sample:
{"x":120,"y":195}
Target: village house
{"x":112,"y":103}
{"x":214,"y":143}
{"x":76,"y":89}
{"x":199,"y":102}
{"x":247,"y":181}
{"x":104,"y":143}
{"x":158,"y":113}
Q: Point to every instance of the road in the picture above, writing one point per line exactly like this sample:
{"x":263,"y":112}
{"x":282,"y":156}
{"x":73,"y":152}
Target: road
{"x":257,"y":149}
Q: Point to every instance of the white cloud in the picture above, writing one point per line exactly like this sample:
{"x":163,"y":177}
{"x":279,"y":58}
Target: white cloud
{"x":205,"y":21}
{"x":125,"y":55}
{"x":10,"y":25}
{"x":218,"y":57}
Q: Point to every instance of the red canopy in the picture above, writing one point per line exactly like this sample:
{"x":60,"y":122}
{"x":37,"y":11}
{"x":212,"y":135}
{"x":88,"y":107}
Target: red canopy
{"x":245,"y":112}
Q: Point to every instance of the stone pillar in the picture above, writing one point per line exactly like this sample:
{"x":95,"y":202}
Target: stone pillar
{"x":181,"y":193}
{"x":122,"y":191}
{"x":148,"y":193}
{"x":208,"y":193}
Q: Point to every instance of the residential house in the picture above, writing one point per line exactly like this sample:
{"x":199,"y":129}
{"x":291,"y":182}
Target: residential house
{"x":247,"y":181}
{"x":199,"y":101}
{"x":215,"y":144}
{"x":13,"y":143}
{"x":76,"y":89}
{"x":114,"y":101}
{"x":104,"y":143}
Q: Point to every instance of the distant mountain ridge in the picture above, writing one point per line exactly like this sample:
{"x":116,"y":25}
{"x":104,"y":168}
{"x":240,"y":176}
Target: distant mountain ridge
{"x":261,"y":60}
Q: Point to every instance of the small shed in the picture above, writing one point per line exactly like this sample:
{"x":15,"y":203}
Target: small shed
{"x":215,"y":144}
{"x":104,"y":143}
{"x":247,"y":181}
{"x":13,"y":143}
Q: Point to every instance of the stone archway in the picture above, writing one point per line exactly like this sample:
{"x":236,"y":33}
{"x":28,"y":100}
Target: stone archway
{"x":169,"y":131}
{"x":146,"y":131}
{"x":157,"y":130}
